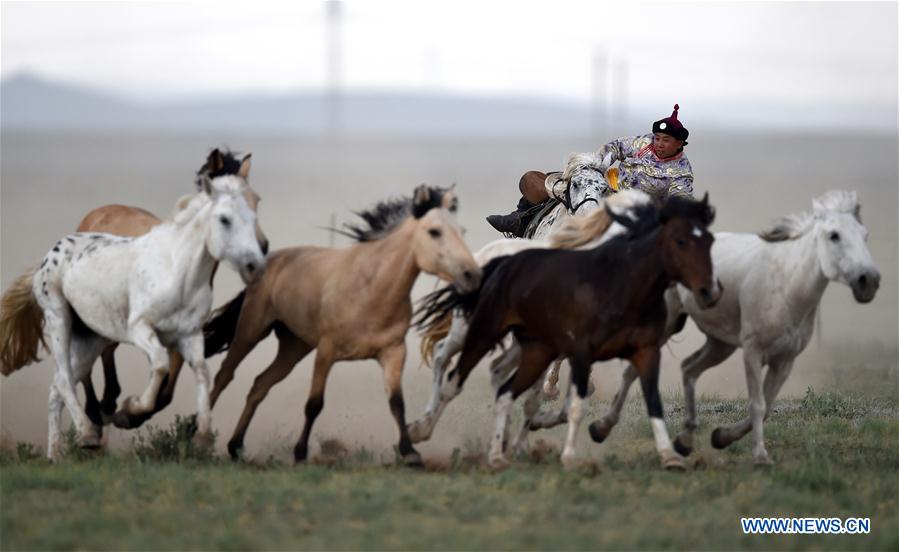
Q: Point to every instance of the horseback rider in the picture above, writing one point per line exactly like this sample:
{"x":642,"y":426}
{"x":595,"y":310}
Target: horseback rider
{"x":654,"y":163}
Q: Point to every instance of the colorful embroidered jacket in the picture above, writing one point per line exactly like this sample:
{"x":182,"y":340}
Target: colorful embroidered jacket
{"x":642,"y":169}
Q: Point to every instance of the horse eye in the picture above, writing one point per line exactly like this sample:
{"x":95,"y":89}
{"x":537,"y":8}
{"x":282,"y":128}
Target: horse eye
{"x":435,"y":233}
{"x":680,"y":242}
{"x":226,"y":222}
{"x":834,"y":236}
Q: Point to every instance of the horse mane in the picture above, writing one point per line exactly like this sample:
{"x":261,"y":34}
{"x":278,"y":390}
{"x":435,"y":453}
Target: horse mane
{"x":385,"y":216}
{"x":230,"y":165}
{"x":795,"y":225}
{"x":577,"y":231}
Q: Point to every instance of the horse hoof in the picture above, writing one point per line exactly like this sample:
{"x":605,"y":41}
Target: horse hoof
{"x":417,"y":432}
{"x":599,"y":430}
{"x":718,"y":439}
{"x":90,"y":441}
{"x":235,"y":450}
{"x":203,"y":441}
{"x":681,"y":447}
{"x":762,"y":461}
{"x":413,"y":460}
{"x":569,"y":461}
{"x":122,"y":420}
{"x":300,"y":453}
{"x":497,"y":462}
{"x":674,"y":462}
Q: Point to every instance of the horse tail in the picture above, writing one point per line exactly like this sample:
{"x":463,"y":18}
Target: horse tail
{"x":433,"y":334}
{"x":219,"y":330}
{"x":21,"y":325}
{"x":440,"y":304}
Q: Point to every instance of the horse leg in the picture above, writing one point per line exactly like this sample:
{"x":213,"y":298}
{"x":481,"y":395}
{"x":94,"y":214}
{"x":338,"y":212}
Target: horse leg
{"x":600,"y":429}
{"x":84,"y":350}
{"x":531,"y":407}
{"x":144,"y":337}
{"x":291,"y":350}
{"x":446,"y":348}
{"x":580,"y":381}
{"x":477,"y":345}
{"x":58,"y":325}
{"x":501,"y":368}
{"x":724,"y":436}
{"x":535,"y":357}
{"x":778,"y":372}
{"x":111,"y":387}
{"x":54,"y":410}
{"x":646,"y":363}
{"x":324,"y":359}
{"x":392,"y":360}
{"x":92,"y":405}
{"x":166,"y":391}
{"x":550,"y":385}
{"x":713,"y":353}
{"x":253,"y":324}
{"x":192,"y":350}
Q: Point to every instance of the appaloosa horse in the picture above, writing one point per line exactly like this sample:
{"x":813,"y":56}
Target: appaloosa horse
{"x":153,"y":291}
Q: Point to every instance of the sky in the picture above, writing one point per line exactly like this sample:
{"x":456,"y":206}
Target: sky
{"x":821,"y":56}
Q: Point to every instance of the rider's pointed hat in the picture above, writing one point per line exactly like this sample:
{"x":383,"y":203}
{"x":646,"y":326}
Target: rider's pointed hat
{"x":671,"y":126}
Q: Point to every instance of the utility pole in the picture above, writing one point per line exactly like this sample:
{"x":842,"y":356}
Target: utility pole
{"x":334,"y":13}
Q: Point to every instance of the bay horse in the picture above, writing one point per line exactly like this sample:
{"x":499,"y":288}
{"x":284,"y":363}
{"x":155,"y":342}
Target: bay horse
{"x":350,"y":304}
{"x":591,"y":305}
{"x":129,"y":221}
{"x":773,"y":285}
{"x":443,"y":338}
{"x":153,"y":291}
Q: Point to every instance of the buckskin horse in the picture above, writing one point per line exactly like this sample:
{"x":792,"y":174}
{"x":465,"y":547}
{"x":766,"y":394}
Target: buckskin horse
{"x":349,"y":303}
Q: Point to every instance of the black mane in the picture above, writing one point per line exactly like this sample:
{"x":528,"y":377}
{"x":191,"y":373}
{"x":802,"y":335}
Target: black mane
{"x":230,"y":164}
{"x":385,"y":216}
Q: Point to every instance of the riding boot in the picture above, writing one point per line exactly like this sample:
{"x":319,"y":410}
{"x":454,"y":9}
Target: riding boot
{"x":515,"y":222}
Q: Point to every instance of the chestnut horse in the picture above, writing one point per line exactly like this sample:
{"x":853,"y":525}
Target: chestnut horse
{"x":592,"y":305}
{"x":349,"y":304}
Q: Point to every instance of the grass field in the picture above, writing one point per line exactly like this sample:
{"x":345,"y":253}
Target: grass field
{"x":836,"y":456}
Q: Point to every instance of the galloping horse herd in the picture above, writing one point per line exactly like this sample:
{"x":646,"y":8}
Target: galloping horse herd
{"x":615,"y":281}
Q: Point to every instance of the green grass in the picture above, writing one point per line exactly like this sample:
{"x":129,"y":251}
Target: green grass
{"x":837,"y":456}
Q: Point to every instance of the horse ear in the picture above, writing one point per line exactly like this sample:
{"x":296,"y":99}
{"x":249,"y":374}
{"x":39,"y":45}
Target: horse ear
{"x":244,"y":170}
{"x":215,"y":162}
{"x":449,"y":200}
{"x":421,"y":195}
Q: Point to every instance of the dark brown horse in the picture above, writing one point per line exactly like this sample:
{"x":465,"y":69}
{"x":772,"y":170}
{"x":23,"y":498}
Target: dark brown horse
{"x":590,"y":305}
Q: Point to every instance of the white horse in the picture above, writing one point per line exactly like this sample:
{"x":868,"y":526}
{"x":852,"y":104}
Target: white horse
{"x":773,"y":283}
{"x":578,"y":233}
{"x":153,"y":291}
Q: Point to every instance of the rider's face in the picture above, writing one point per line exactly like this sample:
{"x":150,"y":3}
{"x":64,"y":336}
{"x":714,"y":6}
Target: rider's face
{"x":666,"y":145}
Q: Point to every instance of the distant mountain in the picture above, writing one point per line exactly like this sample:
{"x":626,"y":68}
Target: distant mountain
{"x":28,"y":102}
